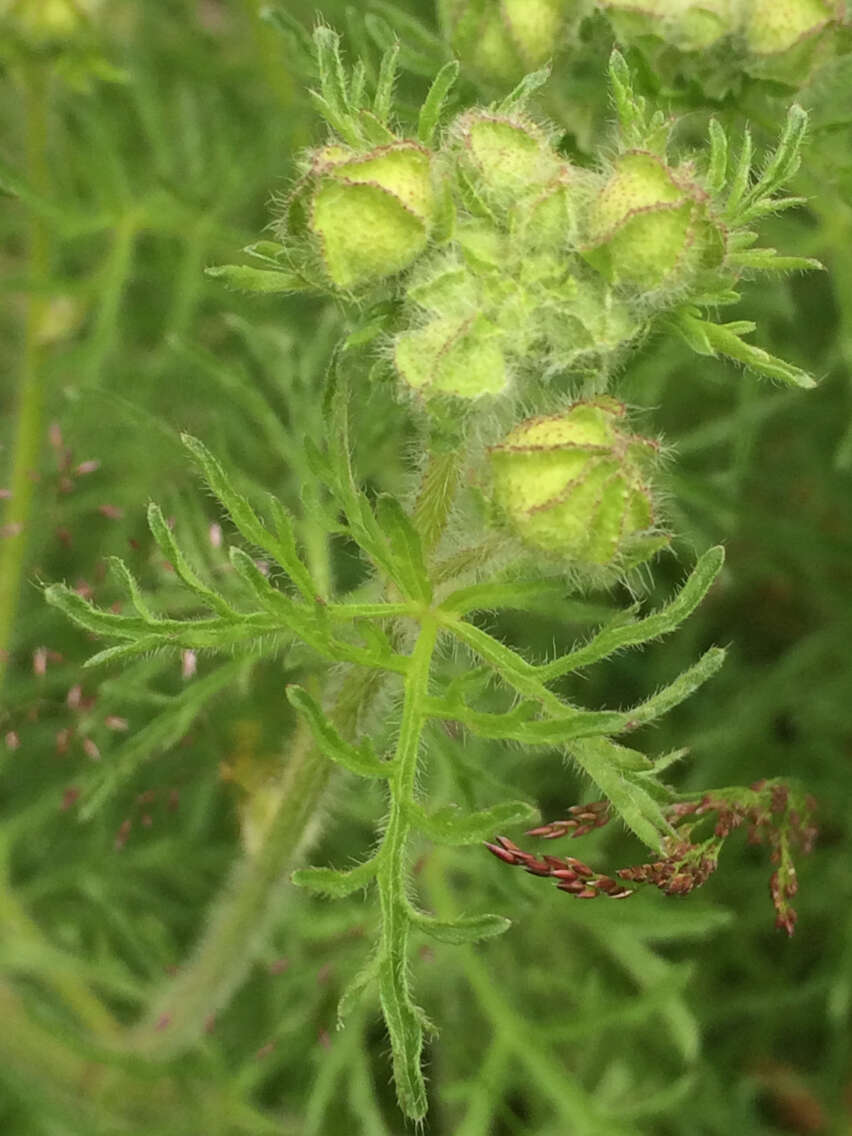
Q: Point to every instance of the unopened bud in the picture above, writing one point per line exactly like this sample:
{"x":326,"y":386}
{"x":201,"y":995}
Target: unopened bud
{"x":452,"y":356}
{"x":507,"y":157}
{"x":573,"y":484}
{"x":688,"y":26}
{"x":774,"y":26}
{"x":647,"y":228}
{"x":504,"y":39}
{"x":369,"y":215}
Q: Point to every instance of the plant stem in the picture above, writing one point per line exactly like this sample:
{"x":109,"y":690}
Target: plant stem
{"x":240,"y":920}
{"x":393,"y":961}
{"x":248,"y":903}
{"x":57,"y":971}
{"x":26,"y":443}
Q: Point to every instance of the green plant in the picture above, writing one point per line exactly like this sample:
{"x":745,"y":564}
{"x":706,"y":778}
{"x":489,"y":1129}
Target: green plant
{"x":437,"y":405}
{"x":366,"y":212}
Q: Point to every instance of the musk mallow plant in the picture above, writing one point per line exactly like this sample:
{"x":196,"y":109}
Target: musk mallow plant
{"x":493,"y":291}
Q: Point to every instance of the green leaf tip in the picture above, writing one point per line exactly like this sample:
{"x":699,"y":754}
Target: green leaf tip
{"x":244,"y":278}
{"x":335,"y":882}
{"x":361,"y":759}
{"x":465,"y":929}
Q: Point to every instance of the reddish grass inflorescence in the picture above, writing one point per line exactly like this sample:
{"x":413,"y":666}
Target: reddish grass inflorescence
{"x":776,"y":816}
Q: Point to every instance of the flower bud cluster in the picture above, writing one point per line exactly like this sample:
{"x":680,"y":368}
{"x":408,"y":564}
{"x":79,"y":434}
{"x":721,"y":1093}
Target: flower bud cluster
{"x":496,"y":264}
{"x":762,"y":27}
{"x":509,"y":294}
{"x":719,"y":43}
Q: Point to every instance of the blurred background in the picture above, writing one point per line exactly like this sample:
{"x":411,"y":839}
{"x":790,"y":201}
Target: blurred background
{"x":141,"y":142}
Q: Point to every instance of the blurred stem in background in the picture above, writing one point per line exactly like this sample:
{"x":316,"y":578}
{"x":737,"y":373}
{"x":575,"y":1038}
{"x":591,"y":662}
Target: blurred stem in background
{"x":29,"y":417}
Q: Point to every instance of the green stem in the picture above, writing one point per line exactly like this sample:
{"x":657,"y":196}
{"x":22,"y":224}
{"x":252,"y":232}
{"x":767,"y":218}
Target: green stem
{"x":404,"y":1025}
{"x":68,"y":1079}
{"x":241,"y":918}
{"x":52,"y":967}
{"x":176,"y":1020}
{"x":27,"y":440}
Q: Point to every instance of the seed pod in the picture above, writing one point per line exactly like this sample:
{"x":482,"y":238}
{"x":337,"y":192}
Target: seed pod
{"x":774,"y":26}
{"x":504,"y":39}
{"x":505,"y":158}
{"x":367,"y":216}
{"x":647,"y":228}
{"x":572,"y":485}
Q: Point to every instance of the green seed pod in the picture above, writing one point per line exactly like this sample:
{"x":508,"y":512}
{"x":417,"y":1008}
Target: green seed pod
{"x":774,"y":26}
{"x":505,"y":158}
{"x":368,"y":216}
{"x":452,"y":356}
{"x":647,"y":228}
{"x":572,"y":485}
{"x":504,"y":39}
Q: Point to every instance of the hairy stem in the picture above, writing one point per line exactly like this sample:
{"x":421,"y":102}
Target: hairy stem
{"x":399,"y":1012}
{"x":241,"y":918}
{"x":26,"y":443}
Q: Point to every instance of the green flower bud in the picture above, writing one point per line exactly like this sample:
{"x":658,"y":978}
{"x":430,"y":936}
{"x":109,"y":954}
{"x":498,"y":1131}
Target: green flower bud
{"x":549,"y":219}
{"x":42,"y":22}
{"x":572,"y":484}
{"x":504,"y":39}
{"x":452,"y":356}
{"x":506,"y":158}
{"x":774,"y":26}
{"x":370,"y":215}
{"x":647,"y":228}
{"x":688,"y":26}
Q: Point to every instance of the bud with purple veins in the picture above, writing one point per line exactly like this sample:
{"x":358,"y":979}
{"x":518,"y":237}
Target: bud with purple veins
{"x":573,"y":485}
{"x":648,"y":226}
{"x":366,"y":216}
{"x":506,"y":157}
{"x":775,"y":26}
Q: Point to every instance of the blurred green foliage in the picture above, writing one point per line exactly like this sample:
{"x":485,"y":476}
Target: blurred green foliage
{"x":134,"y":157}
